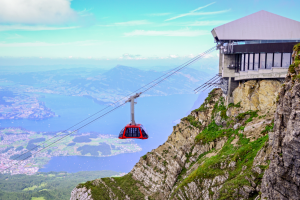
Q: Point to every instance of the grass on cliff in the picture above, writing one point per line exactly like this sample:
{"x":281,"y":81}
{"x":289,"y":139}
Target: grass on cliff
{"x":243,"y":155}
{"x":212,"y":132}
{"x":126,"y":183}
{"x":208,"y":100}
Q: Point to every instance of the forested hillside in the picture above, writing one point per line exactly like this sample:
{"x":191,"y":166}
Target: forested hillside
{"x":48,"y":186}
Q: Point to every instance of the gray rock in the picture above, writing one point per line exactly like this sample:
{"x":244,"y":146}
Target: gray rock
{"x":236,"y":126}
{"x":282,"y":179}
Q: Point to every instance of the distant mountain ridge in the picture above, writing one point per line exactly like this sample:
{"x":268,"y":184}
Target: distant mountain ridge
{"x":122,"y":79}
{"x":103,"y":85}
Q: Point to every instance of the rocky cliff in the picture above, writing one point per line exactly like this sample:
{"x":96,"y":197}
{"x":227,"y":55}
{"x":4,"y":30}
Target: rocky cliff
{"x":282,"y":179}
{"x":237,"y":151}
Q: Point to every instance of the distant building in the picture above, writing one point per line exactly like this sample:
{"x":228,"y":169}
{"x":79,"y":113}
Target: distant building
{"x":258,"y":46}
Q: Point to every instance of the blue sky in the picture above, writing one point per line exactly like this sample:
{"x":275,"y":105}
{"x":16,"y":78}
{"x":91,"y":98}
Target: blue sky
{"x":133,"y":30}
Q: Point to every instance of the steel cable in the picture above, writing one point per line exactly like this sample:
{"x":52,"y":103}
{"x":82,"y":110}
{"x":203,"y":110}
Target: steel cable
{"x":175,"y":70}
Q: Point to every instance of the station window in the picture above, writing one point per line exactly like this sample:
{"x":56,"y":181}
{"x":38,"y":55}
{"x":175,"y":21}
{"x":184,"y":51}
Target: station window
{"x":243,"y":63}
{"x":256,"y":61}
{"x":251,"y":61}
{"x":286,"y":59}
{"x":277,"y":60}
{"x":262,"y":61}
{"x":269,"y":60}
{"x":246,"y":62}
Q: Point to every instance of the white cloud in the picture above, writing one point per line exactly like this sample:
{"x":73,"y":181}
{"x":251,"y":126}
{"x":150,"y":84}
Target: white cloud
{"x":207,"y":23}
{"x":194,"y":13}
{"x":173,"y":56}
{"x":33,"y":28}
{"x":45,"y":44}
{"x":180,"y":33}
{"x":127,"y":56}
{"x":14,"y":36}
{"x":36,"y":11}
{"x":130,"y":23}
{"x":85,"y":12}
{"x":158,"y":14}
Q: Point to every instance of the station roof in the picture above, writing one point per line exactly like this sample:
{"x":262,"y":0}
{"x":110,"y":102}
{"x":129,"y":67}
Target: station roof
{"x":261,"y":25}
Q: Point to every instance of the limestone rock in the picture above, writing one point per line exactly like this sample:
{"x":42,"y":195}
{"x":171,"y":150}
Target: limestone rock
{"x":257,"y":95}
{"x":282,"y":179}
{"x":81,"y":194}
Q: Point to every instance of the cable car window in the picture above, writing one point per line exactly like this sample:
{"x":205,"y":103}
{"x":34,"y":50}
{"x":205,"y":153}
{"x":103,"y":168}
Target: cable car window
{"x":121,"y":133}
{"x":144,"y":132}
{"x":132,"y":132}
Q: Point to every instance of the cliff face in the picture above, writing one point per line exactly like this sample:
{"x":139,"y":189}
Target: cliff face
{"x":239,"y":151}
{"x":282,"y":178}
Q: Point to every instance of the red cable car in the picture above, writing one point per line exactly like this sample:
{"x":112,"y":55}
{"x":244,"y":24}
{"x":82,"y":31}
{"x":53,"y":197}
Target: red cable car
{"x":133,"y":130}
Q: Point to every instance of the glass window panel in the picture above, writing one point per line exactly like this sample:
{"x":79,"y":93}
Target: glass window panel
{"x":256,"y":61}
{"x":262,"y":64}
{"x":277,"y":59}
{"x":286,"y":59}
{"x":251,"y":61}
{"x":243,"y":63}
{"x":246,"y":62}
{"x":240,"y":60}
{"x":269,"y":60}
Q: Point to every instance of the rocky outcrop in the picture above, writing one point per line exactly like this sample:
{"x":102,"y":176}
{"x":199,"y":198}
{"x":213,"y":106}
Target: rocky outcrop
{"x":257,"y":95}
{"x":81,"y":194}
{"x":282,"y":179}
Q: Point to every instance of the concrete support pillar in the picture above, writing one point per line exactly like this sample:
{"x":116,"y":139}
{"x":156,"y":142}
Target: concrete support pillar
{"x":228,"y":91}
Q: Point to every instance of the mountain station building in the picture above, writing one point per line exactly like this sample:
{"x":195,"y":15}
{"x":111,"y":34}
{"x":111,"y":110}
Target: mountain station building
{"x":258,"y":46}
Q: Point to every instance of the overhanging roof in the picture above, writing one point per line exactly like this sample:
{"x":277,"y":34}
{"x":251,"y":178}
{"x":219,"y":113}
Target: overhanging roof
{"x":261,"y":25}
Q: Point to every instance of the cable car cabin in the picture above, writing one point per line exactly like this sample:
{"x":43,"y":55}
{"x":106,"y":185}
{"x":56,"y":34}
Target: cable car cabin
{"x":133,"y":131}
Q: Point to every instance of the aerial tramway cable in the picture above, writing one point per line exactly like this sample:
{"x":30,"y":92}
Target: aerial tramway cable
{"x":114,"y":103}
{"x":171,"y":72}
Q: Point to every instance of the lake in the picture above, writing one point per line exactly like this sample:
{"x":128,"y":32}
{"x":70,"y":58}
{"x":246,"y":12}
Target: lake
{"x":157,"y":114}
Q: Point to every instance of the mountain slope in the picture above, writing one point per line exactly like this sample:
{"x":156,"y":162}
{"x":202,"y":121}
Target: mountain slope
{"x":214,"y":153}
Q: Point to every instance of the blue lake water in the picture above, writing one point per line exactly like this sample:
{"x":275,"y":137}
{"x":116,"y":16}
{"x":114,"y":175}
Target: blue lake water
{"x":157,"y":114}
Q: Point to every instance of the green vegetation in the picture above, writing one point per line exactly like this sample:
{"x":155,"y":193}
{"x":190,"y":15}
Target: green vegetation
{"x":35,"y":187}
{"x":208,"y":100}
{"x":46,"y":186}
{"x":252,"y":114}
{"x":297,"y":77}
{"x":144,"y":156}
{"x":94,"y":150}
{"x":38,"y":198}
{"x":268,"y":128}
{"x":292,"y":68}
{"x":192,"y":121}
{"x":243,"y":155}
{"x":126,"y":183}
{"x":232,"y":105}
{"x":211,"y":132}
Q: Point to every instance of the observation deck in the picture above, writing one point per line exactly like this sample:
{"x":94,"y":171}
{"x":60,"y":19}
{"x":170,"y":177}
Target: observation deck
{"x":254,"y":47}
